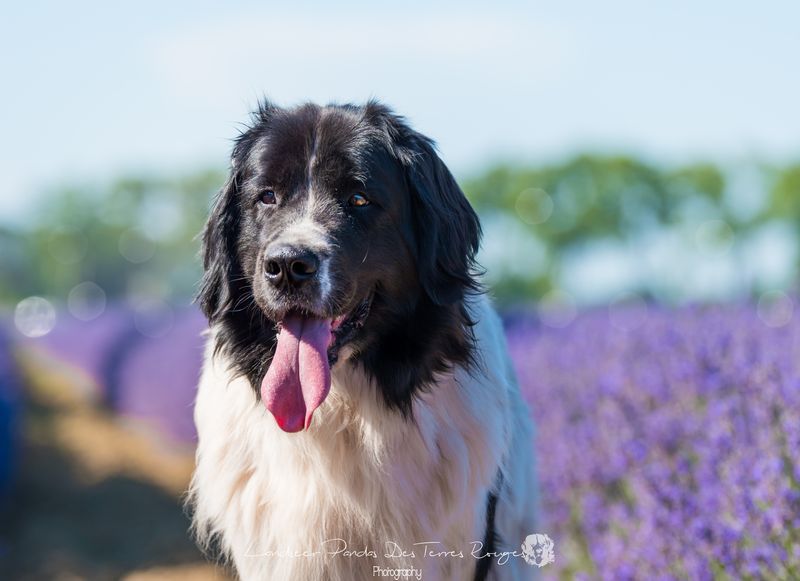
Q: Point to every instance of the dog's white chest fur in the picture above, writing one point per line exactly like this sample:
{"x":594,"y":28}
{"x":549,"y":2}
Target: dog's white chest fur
{"x":365,"y":486}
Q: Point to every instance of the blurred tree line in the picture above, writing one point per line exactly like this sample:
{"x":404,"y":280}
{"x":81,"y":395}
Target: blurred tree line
{"x":571,"y":206}
{"x":138,"y":236}
{"x":135,"y":239}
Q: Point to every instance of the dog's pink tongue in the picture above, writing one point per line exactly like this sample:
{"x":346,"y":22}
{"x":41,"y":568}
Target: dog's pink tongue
{"x":299,"y":378}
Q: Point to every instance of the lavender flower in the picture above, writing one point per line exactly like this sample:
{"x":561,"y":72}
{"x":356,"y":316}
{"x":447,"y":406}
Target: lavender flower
{"x":668,"y":448}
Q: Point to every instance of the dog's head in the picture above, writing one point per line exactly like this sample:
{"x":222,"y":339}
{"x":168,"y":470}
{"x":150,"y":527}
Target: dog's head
{"x":338,"y":227}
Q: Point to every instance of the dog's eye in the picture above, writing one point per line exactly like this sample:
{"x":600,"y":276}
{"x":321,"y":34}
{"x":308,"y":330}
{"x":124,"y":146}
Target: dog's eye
{"x":358,"y":200}
{"x":267,"y":197}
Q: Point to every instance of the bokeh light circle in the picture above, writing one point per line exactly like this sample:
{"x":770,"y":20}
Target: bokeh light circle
{"x":534,"y":206}
{"x":86,"y":301}
{"x":557,"y":309}
{"x":35,"y":317}
{"x":135,"y":247}
{"x":775,"y":308}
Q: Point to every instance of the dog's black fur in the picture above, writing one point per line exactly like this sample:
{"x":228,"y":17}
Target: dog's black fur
{"x":411,"y":250}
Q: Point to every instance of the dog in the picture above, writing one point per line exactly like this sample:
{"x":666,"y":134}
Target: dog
{"x":357,"y":413}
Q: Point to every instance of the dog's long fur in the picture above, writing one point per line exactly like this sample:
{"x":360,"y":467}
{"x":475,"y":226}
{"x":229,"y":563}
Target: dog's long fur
{"x":424,"y":434}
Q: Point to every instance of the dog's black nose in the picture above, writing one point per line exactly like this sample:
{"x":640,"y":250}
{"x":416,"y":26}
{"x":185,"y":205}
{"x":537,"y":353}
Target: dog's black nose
{"x":291,"y":265}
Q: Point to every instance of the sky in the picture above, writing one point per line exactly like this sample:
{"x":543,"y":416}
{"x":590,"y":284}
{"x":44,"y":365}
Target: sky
{"x":92,"y":90}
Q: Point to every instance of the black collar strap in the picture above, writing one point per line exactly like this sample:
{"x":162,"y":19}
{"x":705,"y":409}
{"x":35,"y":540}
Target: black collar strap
{"x":490,"y":539}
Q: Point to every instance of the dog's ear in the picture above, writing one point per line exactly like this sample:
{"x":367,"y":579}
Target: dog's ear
{"x":447,"y":229}
{"x":219,"y":240}
{"x":222,"y":277}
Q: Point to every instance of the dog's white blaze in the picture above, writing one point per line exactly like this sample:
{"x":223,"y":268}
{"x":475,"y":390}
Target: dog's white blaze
{"x":365,"y":474}
{"x":306,"y":230}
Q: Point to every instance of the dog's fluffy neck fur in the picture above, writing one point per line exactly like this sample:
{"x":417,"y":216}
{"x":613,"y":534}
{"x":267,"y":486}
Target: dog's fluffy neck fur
{"x":363,"y":472}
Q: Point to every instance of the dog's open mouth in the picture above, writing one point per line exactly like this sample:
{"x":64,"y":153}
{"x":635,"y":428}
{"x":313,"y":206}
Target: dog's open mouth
{"x":299,"y":377}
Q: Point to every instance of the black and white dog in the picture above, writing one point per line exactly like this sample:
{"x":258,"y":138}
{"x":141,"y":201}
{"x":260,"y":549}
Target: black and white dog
{"x":357,"y":412}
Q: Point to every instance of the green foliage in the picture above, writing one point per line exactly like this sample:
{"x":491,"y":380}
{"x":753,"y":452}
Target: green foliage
{"x":597,"y":196}
{"x":138,"y":235}
{"x":785,"y":195}
{"x":588,"y":199}
{"x":135,"y":237}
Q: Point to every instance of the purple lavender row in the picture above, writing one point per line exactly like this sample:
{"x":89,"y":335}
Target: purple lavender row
{"x":141,"y":366}
{"x":668,"y":442}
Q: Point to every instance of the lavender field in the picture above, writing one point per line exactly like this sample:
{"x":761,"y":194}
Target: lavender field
{"x":94,"y":487}
{"x":667,"y":440}
{"x":143,"y":366}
